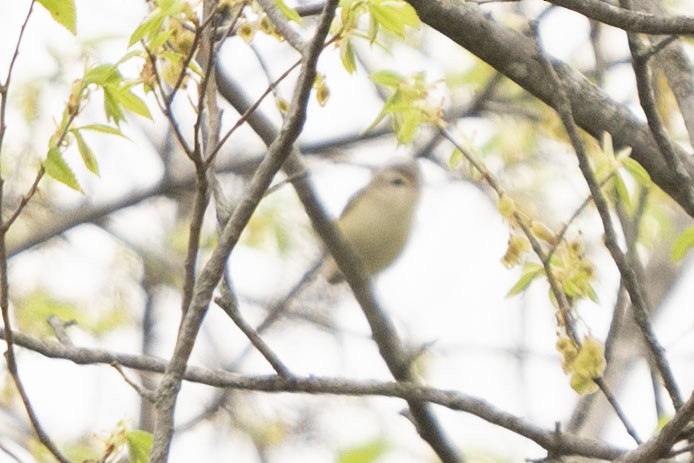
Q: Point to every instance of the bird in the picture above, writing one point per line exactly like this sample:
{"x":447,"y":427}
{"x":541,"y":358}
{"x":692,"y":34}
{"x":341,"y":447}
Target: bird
{"x":377,"y":220}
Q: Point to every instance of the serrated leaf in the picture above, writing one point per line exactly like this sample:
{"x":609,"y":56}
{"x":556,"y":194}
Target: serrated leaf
{"x":112,"y":107}
{"x":683,"y":244}
{"x":63,"y":12}
{"x":56,"y":167}
{"x":530,"y":273}
{"x":133,"y":103}
{"x":86,"y":152}
{"x":637,"y":171}
{"x":104,"y":74}
{"x":139,"y":445}
{"x":290,"y":13}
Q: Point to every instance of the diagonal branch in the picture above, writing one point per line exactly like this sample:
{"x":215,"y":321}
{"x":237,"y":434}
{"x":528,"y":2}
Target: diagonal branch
{"x":382,"y":329}
{"x":211,"y":274}
{"x":631,"y":21}
{"x":513,"y":54}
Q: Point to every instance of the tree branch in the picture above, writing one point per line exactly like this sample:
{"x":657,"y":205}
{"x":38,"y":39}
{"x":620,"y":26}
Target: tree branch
{"x":631,"y":21}
{"x":557,"y":443}
{"x":514,"y":55}
{"x":383,"y":332}
{"x":210,"y":276}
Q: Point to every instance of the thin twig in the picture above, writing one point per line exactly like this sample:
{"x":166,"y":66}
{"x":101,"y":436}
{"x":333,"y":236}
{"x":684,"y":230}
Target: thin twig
{"x":244,"y":117}
{"x":558,"y":443}
{"x":644,"y":86}
{"x":563,"y":106}
{"x":261,"y":346}
{"x":564,"y":306}
{"x":10,"y":357}
{"x":141,"y":391}
{"x":211,"y":274}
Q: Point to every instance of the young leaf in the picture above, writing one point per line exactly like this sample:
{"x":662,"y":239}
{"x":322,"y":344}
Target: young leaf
{"x":683,"y":244}
{"x":102,"y":128}
{"x":365,"y":453}
{"x":394,"y":15}
{"x":606,"y":143}
{"x":347,"y":56}
{"x":622,"y":190}
{"x":387,"y":78}
{"x":132,"y":102}
{"x":530,"y":273}
{"x":455,"y":159}
{"x":104,"y":74}
{"x":637,"y":171}
{"x":56,"y":167}
{"x":139,"y":445}
{"x":155,"y":20}
{"x":112,"y":106}
{"x":406,"y":126}
{"x":64,"y":13}
{"x":85,"y":152}
{"x":290,"y":13}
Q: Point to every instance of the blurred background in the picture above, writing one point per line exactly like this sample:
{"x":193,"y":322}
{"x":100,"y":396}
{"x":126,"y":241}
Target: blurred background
{"x":110,"y":259}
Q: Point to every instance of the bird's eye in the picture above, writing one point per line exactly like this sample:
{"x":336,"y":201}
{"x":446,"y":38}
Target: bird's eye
{"x":397,"y":181}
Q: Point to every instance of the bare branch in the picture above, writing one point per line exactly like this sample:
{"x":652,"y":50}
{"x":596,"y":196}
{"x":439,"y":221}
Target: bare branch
{"x":557,"y":443}
{"x":282,"y":25}
{"x":628,"y":20}
{"x":513,"y":54}
{"x":211,"y":274}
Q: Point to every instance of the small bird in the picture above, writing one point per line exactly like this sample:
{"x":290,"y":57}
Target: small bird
{"x":377,"y":220}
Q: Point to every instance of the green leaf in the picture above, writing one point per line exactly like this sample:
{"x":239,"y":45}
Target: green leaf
{"x":158,"y":38}
{"x":155,"y":20}
{"x":394,"y":15}
{"x":347,"y":56}
{"x":290,"y":13}
{"x":607,"y":147}
{"x":64,"y":13}
{"x":406,"y":126}
{"x":530,"y":272}
{"x":373,"y":29}
{"x":637,"y":171}
{"x":622,"y":190}
{"x":455,"y":159}
{"x":133,"y":103}
{"x":365,"y":453}
{"x":147,"y":28}
{"x":683,"y":244}
{"x":139,"y":445}
{"x":387,"y":78}
{"x":112,"y":106}
{"x":103,"y":129}
{"x":85,"y":152}
{"x":56,"y":167}
{"x":104,"y":74}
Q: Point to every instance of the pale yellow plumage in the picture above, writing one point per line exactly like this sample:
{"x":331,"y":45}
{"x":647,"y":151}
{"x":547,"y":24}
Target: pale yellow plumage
{"x":377,"y":220}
